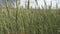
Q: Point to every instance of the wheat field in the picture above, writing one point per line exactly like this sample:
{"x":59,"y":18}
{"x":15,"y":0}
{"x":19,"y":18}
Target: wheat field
{"x":29,"y":21}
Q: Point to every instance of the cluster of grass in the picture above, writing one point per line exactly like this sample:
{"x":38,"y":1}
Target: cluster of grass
{"x":29,"y":21}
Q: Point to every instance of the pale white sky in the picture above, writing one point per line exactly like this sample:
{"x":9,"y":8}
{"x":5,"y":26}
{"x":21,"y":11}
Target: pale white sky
{"x":41,"y":2}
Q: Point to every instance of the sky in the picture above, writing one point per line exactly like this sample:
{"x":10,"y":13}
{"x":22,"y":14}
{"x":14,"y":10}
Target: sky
{"x":33,"y":4}
{"x":41,"y":2}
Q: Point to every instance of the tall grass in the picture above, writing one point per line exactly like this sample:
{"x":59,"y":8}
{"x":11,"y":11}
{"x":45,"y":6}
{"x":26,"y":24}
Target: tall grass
{"x":29,"y":21}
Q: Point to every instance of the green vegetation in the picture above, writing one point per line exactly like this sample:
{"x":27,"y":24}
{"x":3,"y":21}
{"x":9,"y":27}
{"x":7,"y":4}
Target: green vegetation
{"x":29,"y":21}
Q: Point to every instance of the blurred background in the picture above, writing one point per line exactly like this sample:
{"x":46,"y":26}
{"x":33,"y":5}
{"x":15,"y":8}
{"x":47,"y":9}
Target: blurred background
{"x":33,"y":3}
{"x":29,"y":16}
